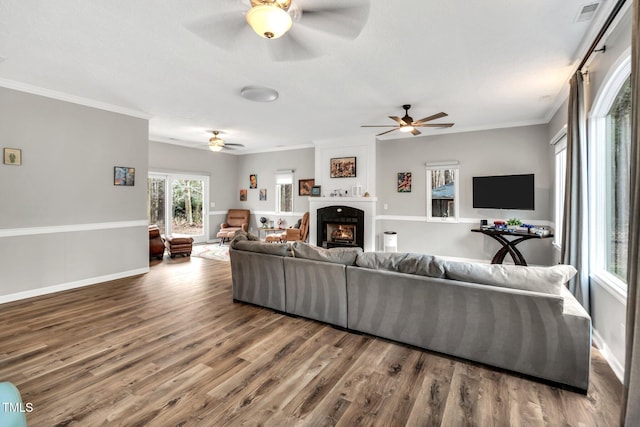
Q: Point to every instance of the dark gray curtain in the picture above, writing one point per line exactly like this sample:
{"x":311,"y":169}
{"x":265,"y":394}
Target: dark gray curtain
{"x":631,"y":391}
{"x":575,"y":235}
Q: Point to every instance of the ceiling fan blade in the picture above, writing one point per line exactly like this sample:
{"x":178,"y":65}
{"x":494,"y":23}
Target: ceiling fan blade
{"x":428,"y":119}
{"x":435,"y":125}
{"x":399,"y":120}
{"x":222,"y":30}
{"x":339,"y":20}
{"x":290,"y":47}
{"x":227,"y":144}
{"x":387,"y":131}
{"x":415,"y":132}
{"x":378,"y":126}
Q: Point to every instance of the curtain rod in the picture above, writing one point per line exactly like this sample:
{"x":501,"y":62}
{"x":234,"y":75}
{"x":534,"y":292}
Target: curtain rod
{"x":603,"y":30}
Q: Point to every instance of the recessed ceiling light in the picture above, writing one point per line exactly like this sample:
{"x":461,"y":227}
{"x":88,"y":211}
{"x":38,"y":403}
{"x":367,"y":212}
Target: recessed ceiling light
{"x":259,"y":93}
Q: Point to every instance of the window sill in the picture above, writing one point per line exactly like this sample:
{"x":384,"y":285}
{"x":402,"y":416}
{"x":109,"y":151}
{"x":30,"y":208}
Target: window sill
{"x":612,"y":285}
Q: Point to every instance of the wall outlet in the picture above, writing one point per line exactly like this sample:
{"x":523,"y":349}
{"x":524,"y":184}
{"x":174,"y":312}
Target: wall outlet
{"x":385,"y":206}
{"x":213,"y":204}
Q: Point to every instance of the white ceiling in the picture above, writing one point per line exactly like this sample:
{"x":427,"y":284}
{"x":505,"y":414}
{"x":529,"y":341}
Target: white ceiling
{"x":488,"y":64}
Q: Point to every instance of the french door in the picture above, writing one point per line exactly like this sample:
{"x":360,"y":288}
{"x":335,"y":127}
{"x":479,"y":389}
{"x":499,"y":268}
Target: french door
{"x":177,"y":204}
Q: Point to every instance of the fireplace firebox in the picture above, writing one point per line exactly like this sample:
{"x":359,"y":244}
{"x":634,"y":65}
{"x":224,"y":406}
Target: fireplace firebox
{"x":340,"y":226}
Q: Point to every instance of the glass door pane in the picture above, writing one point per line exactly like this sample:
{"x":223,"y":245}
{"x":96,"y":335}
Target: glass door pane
{"x":188,"y":208}
{"x":156,"y":206}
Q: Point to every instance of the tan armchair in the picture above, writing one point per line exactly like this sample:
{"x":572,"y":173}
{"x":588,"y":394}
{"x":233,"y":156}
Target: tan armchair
{"x":292,"y":234}
{"x":237,"y":219}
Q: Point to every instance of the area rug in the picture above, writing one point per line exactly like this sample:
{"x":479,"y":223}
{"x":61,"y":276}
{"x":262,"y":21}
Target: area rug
{"x":213,"y":251}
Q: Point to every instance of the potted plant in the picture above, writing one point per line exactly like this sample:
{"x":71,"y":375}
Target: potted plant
{"x":513,"y":224}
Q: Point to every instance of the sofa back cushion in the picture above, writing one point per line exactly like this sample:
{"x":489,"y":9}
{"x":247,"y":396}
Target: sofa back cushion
{"x":423,"y":265}
{"x":346,"y":256}
{"x":548,"y":280}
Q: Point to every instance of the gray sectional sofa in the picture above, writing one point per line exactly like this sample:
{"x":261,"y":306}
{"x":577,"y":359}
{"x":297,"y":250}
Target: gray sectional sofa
{"x":517,"y":318}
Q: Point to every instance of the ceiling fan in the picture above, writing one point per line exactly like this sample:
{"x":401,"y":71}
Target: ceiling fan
{"x":217,"y":144}
{"x":407,"y":124}
{"x":290,"y":27}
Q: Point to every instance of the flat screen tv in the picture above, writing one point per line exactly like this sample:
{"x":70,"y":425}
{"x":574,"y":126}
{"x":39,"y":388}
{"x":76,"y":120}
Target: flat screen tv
{"x":504,"y":192}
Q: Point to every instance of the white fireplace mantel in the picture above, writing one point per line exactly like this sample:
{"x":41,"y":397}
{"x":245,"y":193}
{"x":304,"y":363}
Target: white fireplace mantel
{"x":366,"y":204}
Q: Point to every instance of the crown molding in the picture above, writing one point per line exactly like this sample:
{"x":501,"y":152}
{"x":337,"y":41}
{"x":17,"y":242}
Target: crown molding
{"x":61,"y":96}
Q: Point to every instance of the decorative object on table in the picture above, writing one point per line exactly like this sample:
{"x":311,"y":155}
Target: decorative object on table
{"x":263,"y":194}
{"x":343,"y":167}
{"x":13,"y":156}
{"x":253,"y":181}
{"x":499,"y":225}
{"x":316,"y":191}
{"x":280,"y":222}
{"x":304,"y":186}
{"x":513,"y":223}
{"x":263,"y":221}
{"x":404,"y":182}
{"x":243,"y":195}
{"x":124,"y":176}
{"x":366,"y":194}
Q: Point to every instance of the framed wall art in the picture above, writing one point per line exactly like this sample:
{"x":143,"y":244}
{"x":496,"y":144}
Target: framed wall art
{"x":253,"y":181}
{"x":343,"y":167}
{"x":243,"y":195}
{"x":13,"y":156}
{"x":316,"y":191}
{"x":304,"y":186}
{"x":263,"y":194}
{"x":404,"y":182}
{"x":124,"y":176}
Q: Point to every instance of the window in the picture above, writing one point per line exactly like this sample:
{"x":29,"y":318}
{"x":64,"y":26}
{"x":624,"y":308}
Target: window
{"x":560,"y":179}
{"x":284,"y":192}
{"x":442,"y":191}
{"x":611,"y":145}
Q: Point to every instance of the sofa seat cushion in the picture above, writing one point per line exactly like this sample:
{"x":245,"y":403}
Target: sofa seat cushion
{"x":548,"y":280}
{"x":423,"y":265}
{"x":346,"y":256}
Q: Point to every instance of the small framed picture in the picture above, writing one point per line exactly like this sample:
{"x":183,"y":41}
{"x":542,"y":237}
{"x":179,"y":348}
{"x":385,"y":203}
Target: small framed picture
{"x":304,"y":186}
{"x":125,"y":176}
{"x":263,"y":194}
{"x":243,"y":195}
{"x":13,"y":156}
{"x":316,"y":191}
{"x":253,"y":181}
{"x":343,"y":167}
{"x":404,"y":182}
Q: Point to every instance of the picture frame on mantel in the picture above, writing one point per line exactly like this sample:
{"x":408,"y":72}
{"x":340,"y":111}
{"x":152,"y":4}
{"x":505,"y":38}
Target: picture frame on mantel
{"x":343,"y":167}
{"x":316,"y":191}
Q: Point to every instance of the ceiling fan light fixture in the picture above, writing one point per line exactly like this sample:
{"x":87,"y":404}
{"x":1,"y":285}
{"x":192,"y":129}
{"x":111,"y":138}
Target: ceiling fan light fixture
{"x":407,"y":128}
{"x":216,"y":146}
{"x":269,"y":20}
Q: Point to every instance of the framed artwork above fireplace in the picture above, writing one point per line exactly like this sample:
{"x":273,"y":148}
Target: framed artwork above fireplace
{"x":343,"y":167}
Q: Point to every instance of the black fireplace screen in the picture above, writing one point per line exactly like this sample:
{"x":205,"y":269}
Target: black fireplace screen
{"x":340,"y":226}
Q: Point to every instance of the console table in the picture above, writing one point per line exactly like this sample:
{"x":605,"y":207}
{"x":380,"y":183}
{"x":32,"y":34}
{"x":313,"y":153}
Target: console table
{"x":509,"y":246}
{"x":264,"y":232}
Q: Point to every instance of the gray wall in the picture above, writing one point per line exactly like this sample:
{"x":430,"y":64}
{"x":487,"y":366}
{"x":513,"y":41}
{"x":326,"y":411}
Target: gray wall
{"x":219,"y":167}
{"x":493,"y":152}
{"x":62,"y":221}
{"x":265,"y":166}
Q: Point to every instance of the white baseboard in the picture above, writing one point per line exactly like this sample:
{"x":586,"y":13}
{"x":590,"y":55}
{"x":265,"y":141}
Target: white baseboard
{"x":616,"y":366}
{"x":71,"y":285}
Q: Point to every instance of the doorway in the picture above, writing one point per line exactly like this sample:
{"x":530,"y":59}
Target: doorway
{"x":177,"y":204}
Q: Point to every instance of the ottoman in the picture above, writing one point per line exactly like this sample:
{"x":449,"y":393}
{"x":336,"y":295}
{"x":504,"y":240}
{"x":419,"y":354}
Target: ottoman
{"x":178,"y":244}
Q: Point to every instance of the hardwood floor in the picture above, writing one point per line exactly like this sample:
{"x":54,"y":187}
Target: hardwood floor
{"x":171,"y":348}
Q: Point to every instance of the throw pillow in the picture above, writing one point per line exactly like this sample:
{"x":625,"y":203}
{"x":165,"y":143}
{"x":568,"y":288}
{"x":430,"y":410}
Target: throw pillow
{"x":423,"y":265}
{"x":549,"y":280}
{"x":346,"y":256}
